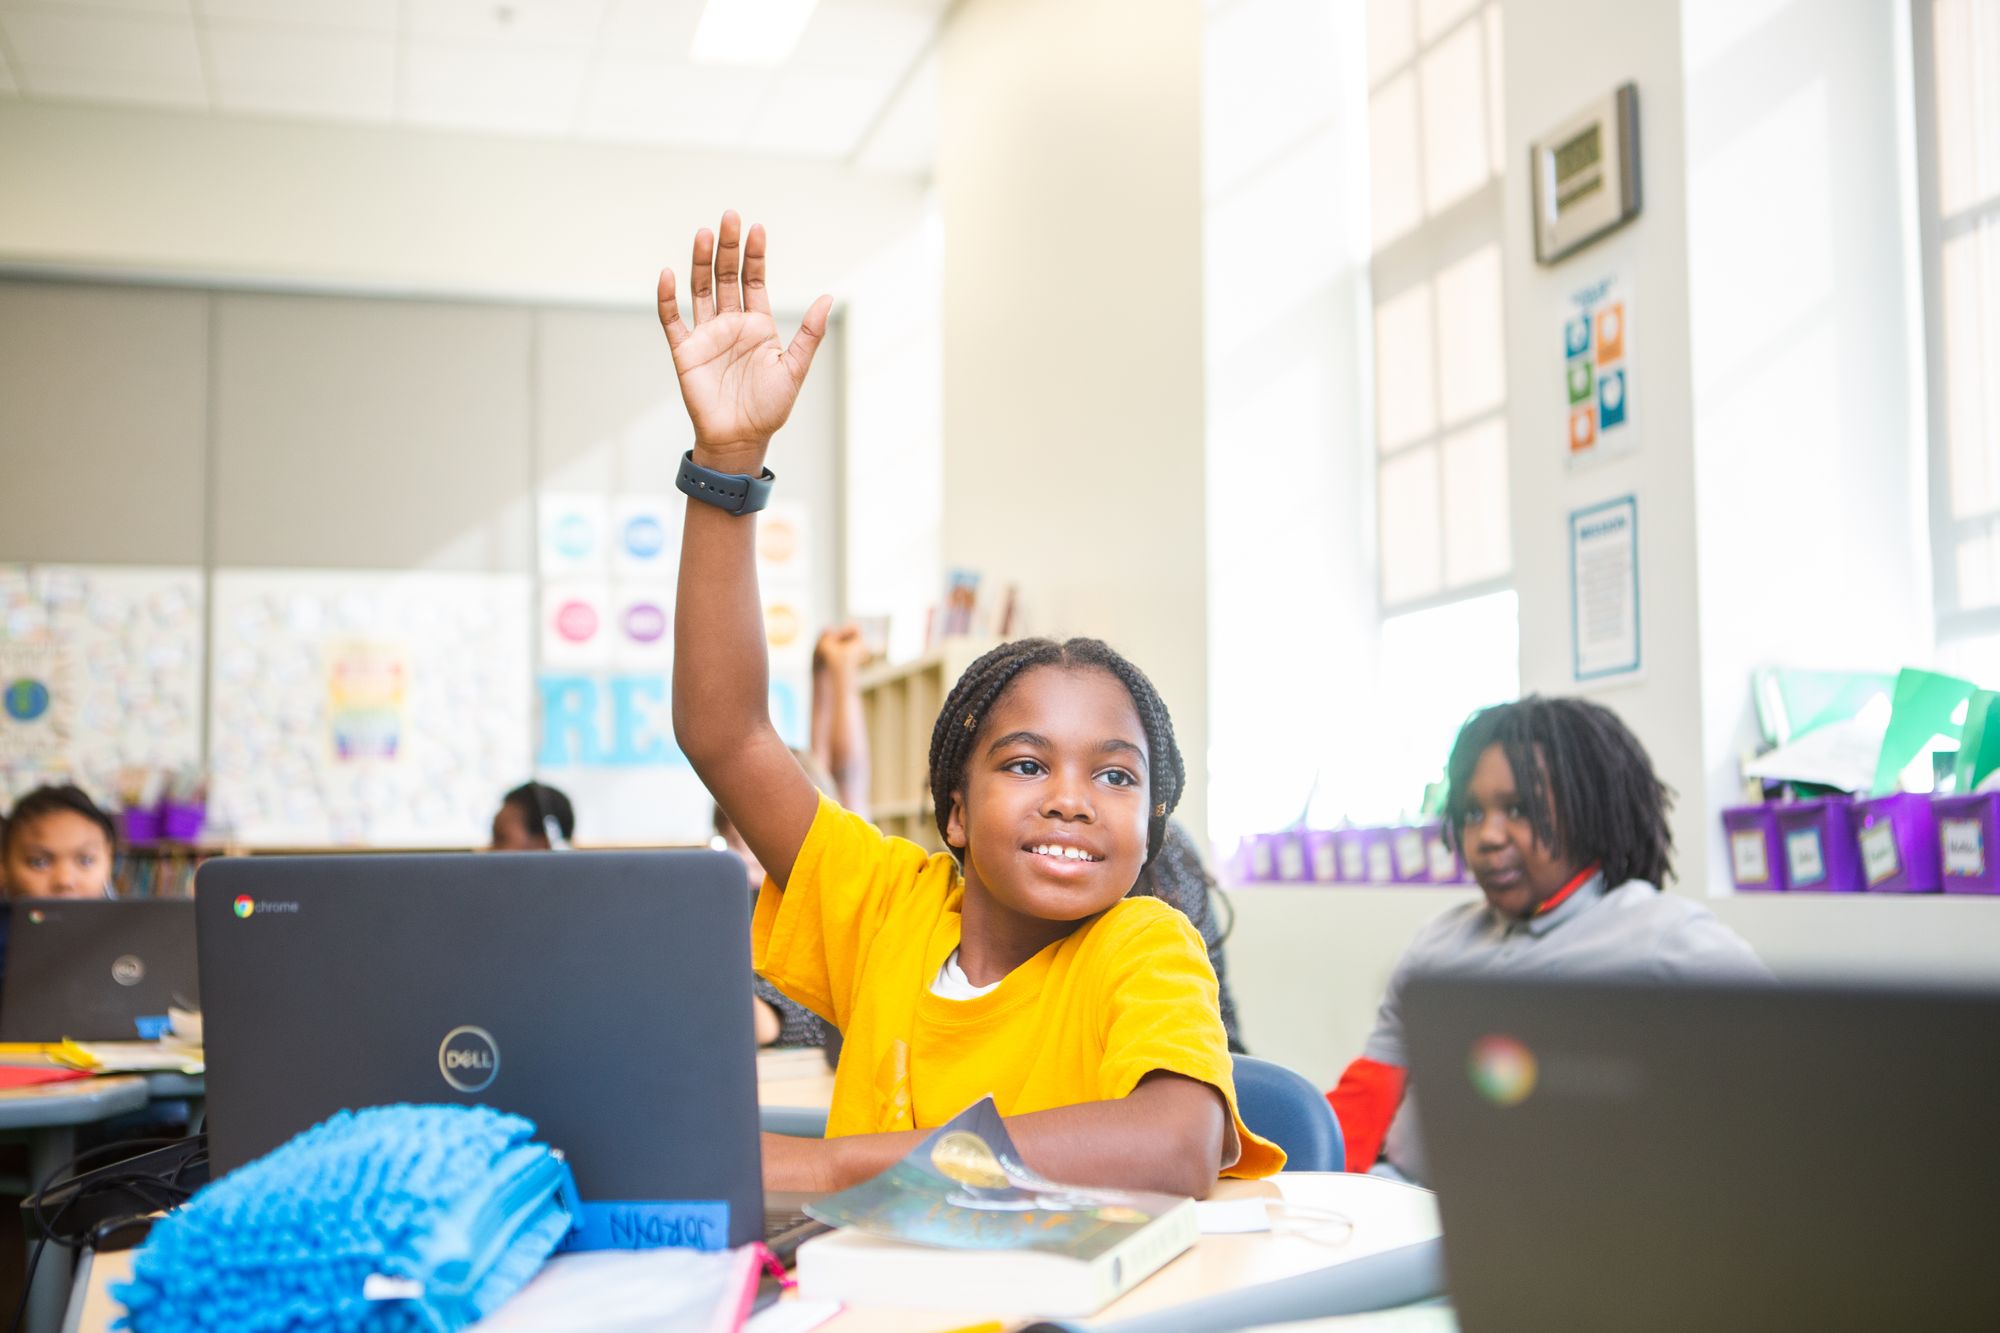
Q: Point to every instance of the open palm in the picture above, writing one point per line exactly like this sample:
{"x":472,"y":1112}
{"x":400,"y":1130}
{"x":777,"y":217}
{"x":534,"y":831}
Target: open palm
{"x":737,"y":380}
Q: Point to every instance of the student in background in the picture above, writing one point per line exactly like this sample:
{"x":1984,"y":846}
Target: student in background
{"x":57,"y":843}
{"x":1012,"y":967}
{"x":1560,"y":817}
{"x":521,"y":824}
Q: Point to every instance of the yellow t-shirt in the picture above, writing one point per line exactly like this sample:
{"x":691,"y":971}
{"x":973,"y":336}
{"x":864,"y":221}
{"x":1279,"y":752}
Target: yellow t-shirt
{"x":866,"y":921}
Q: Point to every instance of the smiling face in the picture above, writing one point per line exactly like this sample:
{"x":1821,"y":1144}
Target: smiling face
{"x":1051,"y":819}
{"x":1515,"y":869}
{"x":60,"y":854}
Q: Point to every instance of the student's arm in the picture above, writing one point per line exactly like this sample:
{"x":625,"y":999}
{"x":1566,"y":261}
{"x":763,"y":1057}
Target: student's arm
{"x":738,"y":383}
{"x":839,"y":731}
{"x":1166,"y":1134}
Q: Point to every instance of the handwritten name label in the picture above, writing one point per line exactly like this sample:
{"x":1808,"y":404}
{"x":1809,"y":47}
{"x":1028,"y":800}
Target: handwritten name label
{"x":1802,"y":855}
{"x":1964,"y":848}
{"x":1878,"y":854}
{"x":698,"y":1224}
{"x":1746,"y":853}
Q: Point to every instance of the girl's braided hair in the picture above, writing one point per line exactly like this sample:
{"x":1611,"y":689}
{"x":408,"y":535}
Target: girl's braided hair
{"x":980,"y":688}
{"x":1586,"y":784}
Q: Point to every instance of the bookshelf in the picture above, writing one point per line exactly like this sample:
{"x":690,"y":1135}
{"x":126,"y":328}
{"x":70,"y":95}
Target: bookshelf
{"x":900,"y":702}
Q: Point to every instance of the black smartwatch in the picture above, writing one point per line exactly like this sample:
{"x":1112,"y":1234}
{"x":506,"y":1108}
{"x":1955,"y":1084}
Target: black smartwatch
{"x":731,"y":492}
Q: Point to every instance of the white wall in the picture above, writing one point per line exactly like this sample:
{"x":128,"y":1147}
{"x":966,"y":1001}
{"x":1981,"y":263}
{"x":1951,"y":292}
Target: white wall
{"x":1069,"y":179}
{"x":292,"y":203}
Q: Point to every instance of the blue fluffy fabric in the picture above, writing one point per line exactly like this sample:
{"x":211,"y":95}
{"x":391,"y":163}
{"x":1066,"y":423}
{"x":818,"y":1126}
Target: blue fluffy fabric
{"x":450,"y":1208}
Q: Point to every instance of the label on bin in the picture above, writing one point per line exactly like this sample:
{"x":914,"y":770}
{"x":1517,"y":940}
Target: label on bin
{"x":1351,"y":867}
{"x":1378,"y":863}
{"x":1409,"y":852}
{"x":1746,"y":854}
{"x":1964,"y":844}
{"x":1802,"y":855}
{"x":1323,"y":862}
{"x":1260,"y":859}
{"x":1444,"y":866}
{"x":1879,"y":861}
{"x":1291,"y":860}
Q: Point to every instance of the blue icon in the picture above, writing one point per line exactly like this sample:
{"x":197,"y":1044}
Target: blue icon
{"x":573,"y":537}
{"x":1611,"y":398}
{"x":644,"y":537}
{"x":1576,"y":336}
{"x":27,"y":700}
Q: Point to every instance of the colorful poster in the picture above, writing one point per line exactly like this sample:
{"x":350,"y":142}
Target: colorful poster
{"x":790,"y":629}
{"x":100,"y":670}
{"x":646,"y":535}
{"x":642,"y":625}
{"x":1598,"y":370}
{"x":423,"y":680}
{"x":575,"y":534}
{"x":577,"y":627}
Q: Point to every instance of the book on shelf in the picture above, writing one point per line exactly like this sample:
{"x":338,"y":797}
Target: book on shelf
{"x":962,"y":1223}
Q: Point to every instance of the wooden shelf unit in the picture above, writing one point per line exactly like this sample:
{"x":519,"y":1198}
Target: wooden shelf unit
{"x":900,"y":702}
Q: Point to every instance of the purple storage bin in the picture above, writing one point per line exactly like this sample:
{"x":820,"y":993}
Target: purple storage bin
{"x":1409,"y":860}
{"x":1818,"y":838}
{"x":1322,"y":856}
{"x":1446,"y":866}
{"x":1350,"y":855}
{"x":1897,"y":840}
{"x":140,"y":825}
{"x":1968,"y":830}
{"x":1378,"y":857}
{"x":182,"y":823}
{"x":1756,"y":851}
{"x":1290,"y":854}
{"x":1262,"y":859}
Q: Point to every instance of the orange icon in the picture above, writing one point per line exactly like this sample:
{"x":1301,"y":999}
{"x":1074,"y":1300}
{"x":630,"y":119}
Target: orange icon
{"x":1582,"y":428}
{"x":1610,"y":333}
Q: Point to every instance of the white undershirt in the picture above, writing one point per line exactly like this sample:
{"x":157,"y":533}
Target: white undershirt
{"x":953,"y":984}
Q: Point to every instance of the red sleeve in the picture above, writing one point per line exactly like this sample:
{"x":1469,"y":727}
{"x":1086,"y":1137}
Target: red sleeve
{"x":1365,"y":1102}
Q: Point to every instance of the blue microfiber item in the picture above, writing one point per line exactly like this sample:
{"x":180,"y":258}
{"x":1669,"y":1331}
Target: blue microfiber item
{"x":382,"y":1220}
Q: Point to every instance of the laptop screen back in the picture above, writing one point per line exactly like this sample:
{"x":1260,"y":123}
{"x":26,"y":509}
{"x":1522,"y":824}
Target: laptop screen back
{"x":604,"y":995}
{"x":94,"y":970}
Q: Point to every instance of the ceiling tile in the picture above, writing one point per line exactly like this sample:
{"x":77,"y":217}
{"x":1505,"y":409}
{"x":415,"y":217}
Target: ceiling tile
{"x":818,"y":115}
{"x":102,"y":43}
{"x":864,"y":36}
{"x":358,"y":15}
{"x":515,"y":24}
{"x":652,"y":27}
{"x":483,"y":88}
{"x":655,"y":101}
{"x":176,"y":90}
{"x":303,"y":71}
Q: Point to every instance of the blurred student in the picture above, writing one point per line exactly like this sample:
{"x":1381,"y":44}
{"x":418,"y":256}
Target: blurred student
{"x":57,"y":843}
{"x":1560,"y":817}
{"x":527,"y":816}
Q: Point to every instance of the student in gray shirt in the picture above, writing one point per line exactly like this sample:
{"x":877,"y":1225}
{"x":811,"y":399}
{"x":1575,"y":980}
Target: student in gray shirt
{"x":1560,"y":817}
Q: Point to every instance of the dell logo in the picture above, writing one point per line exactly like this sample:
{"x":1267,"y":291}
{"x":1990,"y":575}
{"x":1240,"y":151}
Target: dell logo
{"x":469,"y":1058}
{"x":128,"y":970}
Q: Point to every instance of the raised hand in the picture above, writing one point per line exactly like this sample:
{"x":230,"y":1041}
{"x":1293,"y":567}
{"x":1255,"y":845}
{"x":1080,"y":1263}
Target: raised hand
{"x":737,"y":380}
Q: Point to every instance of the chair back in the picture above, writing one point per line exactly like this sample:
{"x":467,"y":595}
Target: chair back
{"x":1282,"y":1105}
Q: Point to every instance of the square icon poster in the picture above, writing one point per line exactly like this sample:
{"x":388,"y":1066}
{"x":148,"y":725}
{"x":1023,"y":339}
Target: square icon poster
{"x":645,"y":535}
{"x":577,"y":628}
{"x":100,"y":670}
{"x":791,"y":625}
{"x":641,"y":625}
{"x":574,"y":533}
{"x":1597,"y":375}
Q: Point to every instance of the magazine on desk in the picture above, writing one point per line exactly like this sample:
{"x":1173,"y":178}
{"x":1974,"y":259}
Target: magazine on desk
{"x":962,"y":1221}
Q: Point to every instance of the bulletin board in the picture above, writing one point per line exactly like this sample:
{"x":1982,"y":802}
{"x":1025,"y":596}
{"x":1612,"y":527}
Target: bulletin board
{"x":356,"y":706}
{"x":100,"y":669}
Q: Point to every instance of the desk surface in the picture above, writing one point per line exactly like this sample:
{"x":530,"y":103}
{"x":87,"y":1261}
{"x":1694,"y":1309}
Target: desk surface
{"x":79,"y":1101}
{"x":1400,"y":1214}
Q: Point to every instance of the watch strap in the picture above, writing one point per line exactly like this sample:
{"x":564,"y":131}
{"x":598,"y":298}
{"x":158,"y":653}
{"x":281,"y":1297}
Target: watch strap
{"x":731,"y":492}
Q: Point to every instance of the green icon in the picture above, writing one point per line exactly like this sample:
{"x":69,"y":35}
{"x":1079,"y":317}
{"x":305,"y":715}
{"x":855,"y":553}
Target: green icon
{"x":1580,"y":381}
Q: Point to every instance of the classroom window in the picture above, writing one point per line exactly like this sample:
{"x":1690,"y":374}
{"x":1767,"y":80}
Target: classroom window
{"x":1956,"y":49}
{"x":1440,"y":364}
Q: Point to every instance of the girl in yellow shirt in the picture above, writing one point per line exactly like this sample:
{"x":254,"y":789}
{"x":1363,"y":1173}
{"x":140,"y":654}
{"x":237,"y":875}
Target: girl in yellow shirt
{"x":1014,"y":965}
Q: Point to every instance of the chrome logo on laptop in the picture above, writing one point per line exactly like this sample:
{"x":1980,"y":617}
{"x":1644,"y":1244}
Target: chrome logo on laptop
{"x":1502,"y":1070}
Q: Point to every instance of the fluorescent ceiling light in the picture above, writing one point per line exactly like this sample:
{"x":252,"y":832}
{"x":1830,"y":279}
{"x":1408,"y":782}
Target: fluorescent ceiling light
{"x":749,"y":32}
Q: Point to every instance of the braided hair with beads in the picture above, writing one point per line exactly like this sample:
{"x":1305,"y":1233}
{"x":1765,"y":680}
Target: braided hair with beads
{"x":973,"y":697}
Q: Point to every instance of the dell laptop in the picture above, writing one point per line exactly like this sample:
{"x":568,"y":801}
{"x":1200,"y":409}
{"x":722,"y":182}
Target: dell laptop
{"x":603,"y":995}
{"x":94,"y":970}
{"x":1712,"y":1157}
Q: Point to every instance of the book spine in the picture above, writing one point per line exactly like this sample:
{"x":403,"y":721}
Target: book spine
{"x":1147,"y":1253}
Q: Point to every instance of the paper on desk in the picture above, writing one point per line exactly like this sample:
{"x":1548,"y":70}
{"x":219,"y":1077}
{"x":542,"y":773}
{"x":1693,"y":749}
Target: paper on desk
{"x":625,"y":1291}
{"x":792,"y":1316}
{"x":1228,"y":1217}
{"x":130,"y":1057}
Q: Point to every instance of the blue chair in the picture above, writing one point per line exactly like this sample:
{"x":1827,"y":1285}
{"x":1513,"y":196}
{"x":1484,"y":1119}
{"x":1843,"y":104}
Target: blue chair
{"x":1282,"y":1105}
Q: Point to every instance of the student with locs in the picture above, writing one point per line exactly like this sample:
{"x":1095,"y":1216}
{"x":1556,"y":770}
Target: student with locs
{"x":1014,"y":965}
{"x":1559,"y":815}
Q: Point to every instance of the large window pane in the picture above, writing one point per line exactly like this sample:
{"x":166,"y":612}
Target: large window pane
{"x":1405,"y":373}
{"x":1967,"y":52}
{"x":1971,"y":273}
{"x":1434,"y":16}
{"x":1496,"y":102}
{"x":1391,"y":37}
{"x":1438,"y":666}
{"x":1472,"y":368}
{"x":1395,"y":195}
{"x":1476,"y":543}
{"x":1979,"y":571}
{"x":1408,"y":515}
{"x":1453,"y":115}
